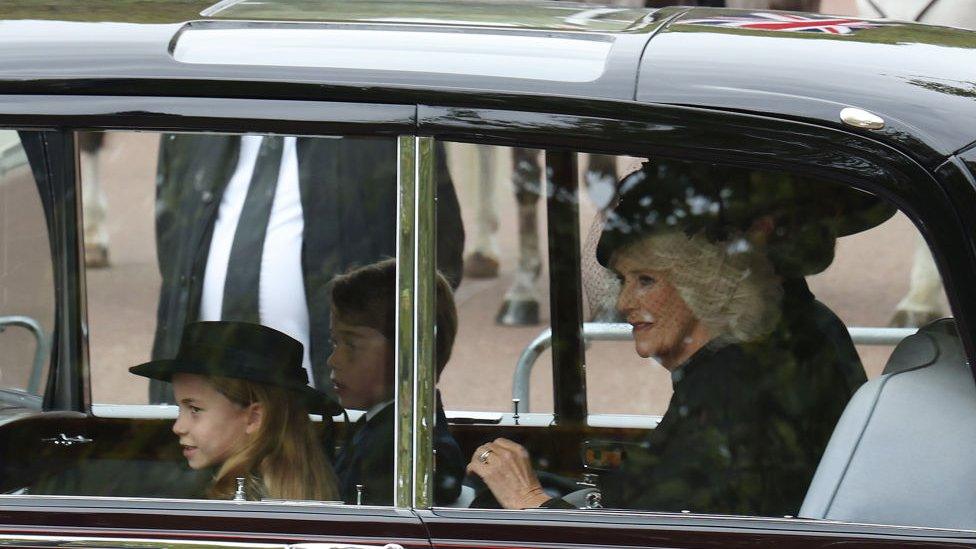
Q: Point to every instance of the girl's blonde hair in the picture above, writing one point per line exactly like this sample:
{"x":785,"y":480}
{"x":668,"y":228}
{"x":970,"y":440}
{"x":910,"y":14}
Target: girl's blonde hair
{"x":284,"y":458}
{"x":730,"y":286}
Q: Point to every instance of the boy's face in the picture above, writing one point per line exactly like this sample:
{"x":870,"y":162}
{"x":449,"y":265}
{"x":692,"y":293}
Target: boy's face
{"x":361,"y":359}
{"x":211,"y":427}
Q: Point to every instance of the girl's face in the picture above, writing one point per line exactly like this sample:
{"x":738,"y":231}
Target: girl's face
{"x":663,"y":325}
{"x":211,"y":427}
{"x":361,"y":362}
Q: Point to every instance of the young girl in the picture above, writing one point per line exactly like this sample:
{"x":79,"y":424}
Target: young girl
{"x":243,"y":411}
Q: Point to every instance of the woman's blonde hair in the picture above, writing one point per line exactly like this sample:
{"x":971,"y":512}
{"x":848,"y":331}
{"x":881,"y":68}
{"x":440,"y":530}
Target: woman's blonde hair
{"x":284,"y":458}
{"x":729,"y":286}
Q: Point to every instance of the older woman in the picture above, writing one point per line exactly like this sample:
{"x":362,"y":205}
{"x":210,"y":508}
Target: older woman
{"x":761,"y":370}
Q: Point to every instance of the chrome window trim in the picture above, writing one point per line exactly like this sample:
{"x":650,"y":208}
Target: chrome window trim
{"x":183,"y":504}
{"x":405,"y":345}
{"x":416,"y":260}
{"x":425,"y":317}
{"x":84,"y":352}
{"x":487,"y":417}
{"x":779,"y":525}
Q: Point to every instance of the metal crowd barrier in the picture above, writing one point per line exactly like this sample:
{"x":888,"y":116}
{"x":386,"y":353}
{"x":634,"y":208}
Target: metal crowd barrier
{"x":622,"y":332}
{"x":40,"y":352}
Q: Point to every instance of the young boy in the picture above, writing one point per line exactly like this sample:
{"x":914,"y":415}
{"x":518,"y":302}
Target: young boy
{"x":362,"y":363}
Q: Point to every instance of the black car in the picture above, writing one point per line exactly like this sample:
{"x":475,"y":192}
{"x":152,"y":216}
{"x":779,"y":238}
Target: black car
{"x":701,"y":220}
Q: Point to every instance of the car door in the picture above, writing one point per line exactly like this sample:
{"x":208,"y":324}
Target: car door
{"x":574,"y":440}
{"x":88,"y":453}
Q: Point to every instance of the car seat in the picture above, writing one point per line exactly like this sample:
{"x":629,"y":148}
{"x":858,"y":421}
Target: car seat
{"x":903,"y":450}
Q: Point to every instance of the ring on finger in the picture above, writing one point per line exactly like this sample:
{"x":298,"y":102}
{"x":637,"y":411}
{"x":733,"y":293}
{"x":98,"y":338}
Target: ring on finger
{"x":483,"y":458}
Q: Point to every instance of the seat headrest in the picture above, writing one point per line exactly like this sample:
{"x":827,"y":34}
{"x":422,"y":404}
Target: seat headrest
{"x":923,"y":347}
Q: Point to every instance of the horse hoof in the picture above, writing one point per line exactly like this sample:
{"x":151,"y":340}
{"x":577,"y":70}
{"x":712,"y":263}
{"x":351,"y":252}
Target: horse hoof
{"x":96,"y":256}
{"x":479,"y":265}
{"x":518,"y":313}
{"x":913,"y":319}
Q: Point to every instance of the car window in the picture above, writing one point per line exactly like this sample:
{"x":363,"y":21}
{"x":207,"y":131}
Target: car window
{"x":26,"y":279}
{"x":729,"y":315}
{"x":504,"y":293}
{"x":236,"y":286}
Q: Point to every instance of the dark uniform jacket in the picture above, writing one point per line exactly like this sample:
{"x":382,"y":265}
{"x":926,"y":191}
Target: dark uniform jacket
{"x":367,"y":459}
{"x":349,"y":194}
{"x":747,"y":423}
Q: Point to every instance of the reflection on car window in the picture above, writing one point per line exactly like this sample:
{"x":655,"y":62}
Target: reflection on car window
{"x":211,"y":268}
{"x":734,"y":289}
{"x":26,"y":276}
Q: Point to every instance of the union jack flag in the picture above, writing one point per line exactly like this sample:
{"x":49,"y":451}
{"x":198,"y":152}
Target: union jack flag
{"x":786,"y":22}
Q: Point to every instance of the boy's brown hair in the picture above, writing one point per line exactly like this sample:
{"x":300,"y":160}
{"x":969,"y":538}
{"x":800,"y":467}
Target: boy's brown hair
{"x":366,"y":296}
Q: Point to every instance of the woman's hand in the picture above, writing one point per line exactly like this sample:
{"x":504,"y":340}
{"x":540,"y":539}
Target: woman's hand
{"x":506,"y":469}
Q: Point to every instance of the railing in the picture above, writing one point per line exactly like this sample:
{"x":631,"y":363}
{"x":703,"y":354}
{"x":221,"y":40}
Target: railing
{"x":622,"y":332}
{"x":40,"y":352}
{"x":11,"y":152}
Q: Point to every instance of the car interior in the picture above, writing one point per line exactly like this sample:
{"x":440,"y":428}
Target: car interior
{"x":900,"y":436}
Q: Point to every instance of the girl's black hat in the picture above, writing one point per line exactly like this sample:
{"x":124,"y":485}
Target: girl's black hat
{"x":242,"y":350}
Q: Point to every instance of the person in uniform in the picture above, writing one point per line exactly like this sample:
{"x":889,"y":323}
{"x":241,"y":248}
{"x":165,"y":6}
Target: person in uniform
{"x":253,"y":228}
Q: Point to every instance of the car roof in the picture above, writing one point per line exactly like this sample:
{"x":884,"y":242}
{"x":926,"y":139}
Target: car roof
{"x":539,"y":14}
{"x":918,"y":78}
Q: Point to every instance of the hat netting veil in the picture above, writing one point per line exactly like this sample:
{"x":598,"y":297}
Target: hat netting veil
{"x":730,"y":286}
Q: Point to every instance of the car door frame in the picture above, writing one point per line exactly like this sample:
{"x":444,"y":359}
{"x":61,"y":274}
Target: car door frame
{"x":101,"y":521}
{"x":733,"y":138}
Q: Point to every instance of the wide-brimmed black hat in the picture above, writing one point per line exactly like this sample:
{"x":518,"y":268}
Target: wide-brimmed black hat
{"x":244,"y":351}
{"x":719,"y":201}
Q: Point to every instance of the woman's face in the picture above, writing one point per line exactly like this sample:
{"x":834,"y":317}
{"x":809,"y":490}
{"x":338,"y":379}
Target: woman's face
{"x":361,"y":362}
{"x":211,"y":427}
{"x":663,"y":325}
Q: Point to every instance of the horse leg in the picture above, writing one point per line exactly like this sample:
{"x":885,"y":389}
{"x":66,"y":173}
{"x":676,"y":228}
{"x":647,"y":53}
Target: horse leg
{"x":521,"y":305}
{"x":93,"y":201}
{"x":923,"y":302}
{"x":482,"y":262}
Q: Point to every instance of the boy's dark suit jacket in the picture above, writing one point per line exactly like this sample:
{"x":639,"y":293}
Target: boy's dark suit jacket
{"x":367,"y":459}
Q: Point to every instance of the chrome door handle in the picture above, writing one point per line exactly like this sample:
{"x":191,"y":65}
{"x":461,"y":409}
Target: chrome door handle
{"x":64,"y":440}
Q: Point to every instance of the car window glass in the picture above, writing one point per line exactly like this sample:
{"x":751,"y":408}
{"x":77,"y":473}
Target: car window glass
{"x":26,"y":278}
{"x":730,"y":315}
{"x":216,"y":258}
{"x":504,"y":293}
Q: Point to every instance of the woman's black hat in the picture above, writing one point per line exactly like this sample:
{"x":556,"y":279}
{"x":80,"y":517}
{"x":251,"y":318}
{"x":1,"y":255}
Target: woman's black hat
{"x":720,"y":201}
{"x":242,"y":350}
